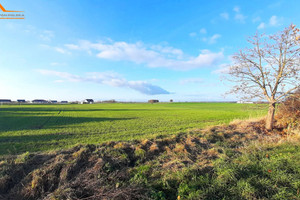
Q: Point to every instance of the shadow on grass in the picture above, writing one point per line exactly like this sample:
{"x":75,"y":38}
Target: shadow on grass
{"x":22,"y":143}
{"x":23,"y":122}
{"x":22,"y":109}
{"x":34,"y":138}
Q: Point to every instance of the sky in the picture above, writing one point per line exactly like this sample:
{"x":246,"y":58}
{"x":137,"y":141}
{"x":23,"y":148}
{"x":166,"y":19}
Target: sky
{"x":130,"y":50}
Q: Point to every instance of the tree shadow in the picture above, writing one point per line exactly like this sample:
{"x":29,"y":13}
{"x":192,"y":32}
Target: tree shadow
{"x":30,"y":122}
{"x":61,"y":109}
{"x":34,"y":138}
{"x":17,"y":144}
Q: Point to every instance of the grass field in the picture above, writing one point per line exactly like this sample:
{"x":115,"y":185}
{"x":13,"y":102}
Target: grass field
{"x":46,"y":127}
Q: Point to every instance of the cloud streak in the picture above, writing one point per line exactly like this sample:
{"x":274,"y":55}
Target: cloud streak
{"x":225,"y":15}
{"x":46,"y":35}
{"x":211,"y":40}
{"x":152,"y":56}
{"x":107,"y":78}
{"x":57,"y":49}
{"x":191,"y":80}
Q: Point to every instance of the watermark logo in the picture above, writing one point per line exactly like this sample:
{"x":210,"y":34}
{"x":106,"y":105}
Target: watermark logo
{"x":10,"y":14}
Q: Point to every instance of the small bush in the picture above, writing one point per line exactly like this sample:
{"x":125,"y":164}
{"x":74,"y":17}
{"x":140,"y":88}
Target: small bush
{"x":141,"y":175}
{"x":139,"y":152}
{"x":288,"y":114}
{"x":22,"y":158}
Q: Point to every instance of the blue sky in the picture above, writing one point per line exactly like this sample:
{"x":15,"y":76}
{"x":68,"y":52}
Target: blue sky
{"x":129,"y":50}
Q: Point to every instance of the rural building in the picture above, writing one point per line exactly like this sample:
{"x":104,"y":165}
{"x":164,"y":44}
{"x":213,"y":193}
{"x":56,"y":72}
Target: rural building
{"x":5,"y":101}
{"x":53,"y":101}
{"x":64,"y":102}
{"x":153,"y":101}
{"x":87,"y":101}
{"x":249,"y":102}
{"x":21,"y":101}
{"x":39,"y":101}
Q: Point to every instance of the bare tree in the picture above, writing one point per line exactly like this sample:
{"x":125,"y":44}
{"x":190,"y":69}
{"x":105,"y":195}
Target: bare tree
{"x":268,"y":69}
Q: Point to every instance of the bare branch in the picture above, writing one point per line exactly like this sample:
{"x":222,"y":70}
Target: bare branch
{"x":269,"y":67}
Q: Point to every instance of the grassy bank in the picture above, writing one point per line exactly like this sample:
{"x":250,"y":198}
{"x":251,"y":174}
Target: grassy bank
{"x":240,"y":161}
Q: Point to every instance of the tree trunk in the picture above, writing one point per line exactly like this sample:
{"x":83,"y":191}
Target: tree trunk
{"x":270,"y":117}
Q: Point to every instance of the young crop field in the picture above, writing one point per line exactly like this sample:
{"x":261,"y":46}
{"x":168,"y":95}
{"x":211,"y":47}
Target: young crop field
{"x":48,"y":127}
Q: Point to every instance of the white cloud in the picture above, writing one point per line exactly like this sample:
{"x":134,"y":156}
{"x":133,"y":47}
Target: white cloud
{"x":274,"y":21}
{"x":261,"y":26}
{"x":193,"y":34}
{"x":238,"y":15}
{"x":256,"y":19}
{"x":236,"y":9}
{"x":45,"y":46}
{"x":72,"y":46}
{"x":107,"y":78}
{"x":152,"y":56}
{"x":57,"y":49}
{"x":61,"y":50}
{"x":46,"y":35}
{"x":203,"y":31}
{"x":57,"y":64}
{"x":225,"y":15}
{"x":212,"y":39}
{"x":65,"y":75}
{"x":59,"y":81}
{"x":191,"y":80}
{"x":275,"y":5}
{"x":223,"y":69}
{"x":168,"y":50}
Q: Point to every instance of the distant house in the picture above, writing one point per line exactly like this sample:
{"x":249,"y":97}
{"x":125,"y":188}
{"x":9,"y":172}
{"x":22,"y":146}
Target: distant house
{"x":5,"y":101}
{"x":87,"y":101}
{"x":153,"y":101}
{"x":53,"y":101}
{"x":171,"y":100}
{"x":39,"y":101}
{"x":248,"y":102}
{"x":21,"y":101}
{"x":64,"y":102}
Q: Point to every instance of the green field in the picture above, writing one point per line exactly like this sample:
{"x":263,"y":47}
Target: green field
{"x":46,"y":127}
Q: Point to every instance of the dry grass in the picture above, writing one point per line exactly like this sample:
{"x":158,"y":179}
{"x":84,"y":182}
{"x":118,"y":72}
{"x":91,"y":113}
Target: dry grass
{"x":105,"y":171}
{"x":120,"y":145}
{"x":153,"y":147}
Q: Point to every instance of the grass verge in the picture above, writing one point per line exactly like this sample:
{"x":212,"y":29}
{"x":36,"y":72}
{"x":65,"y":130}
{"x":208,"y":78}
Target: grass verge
{"x":239,"y":161}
